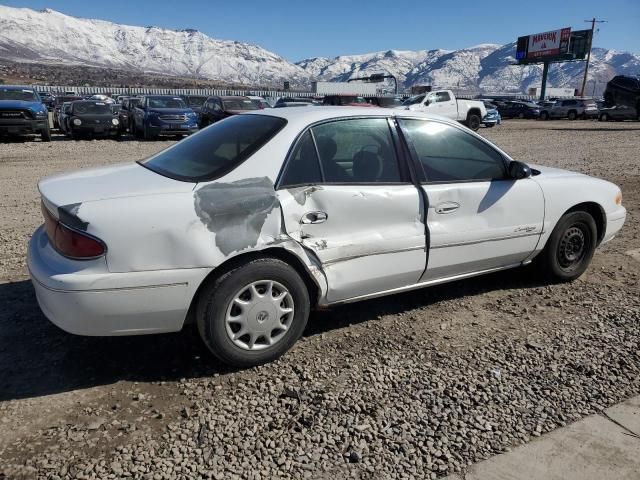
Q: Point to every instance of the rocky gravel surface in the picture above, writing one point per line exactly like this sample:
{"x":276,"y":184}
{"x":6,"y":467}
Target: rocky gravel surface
{"x":417,"y":385}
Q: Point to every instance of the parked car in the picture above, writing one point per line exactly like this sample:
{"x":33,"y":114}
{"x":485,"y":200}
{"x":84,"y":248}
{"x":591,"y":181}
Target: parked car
{"x":345,"y":101}
{"x":518,"y":110}
{"x":618,"y":113}
{"x":58,"y":105}
{"x":444,"y":102}
{"x":259,"y":101}
{"x":48,"y":99}
{"x":195,"y":102}
{"x":125,"y":115}
{"x":158,"y":115}
{"x":91,"y":118}
{"x":62,"y":115}
{"x":23,"y":113}
{"x":623,"y":90}
{"x":289,"y":101}
{"x":217,"y":108}
{"x":391,"y":101}
{"x":571,"y":109}
{"x":492,"y":118}
{"x":255,"y":220}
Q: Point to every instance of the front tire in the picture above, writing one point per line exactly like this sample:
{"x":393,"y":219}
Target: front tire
{"x":604,"y":117}
{"x":544,"y":116}
{"x":253,"y":313}
{"x":45,"y":135}
{"x":572,"y":115}
{"x":570,"y":247}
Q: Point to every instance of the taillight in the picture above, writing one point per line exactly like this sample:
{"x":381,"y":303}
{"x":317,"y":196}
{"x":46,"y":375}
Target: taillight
{"x":70,"y":242}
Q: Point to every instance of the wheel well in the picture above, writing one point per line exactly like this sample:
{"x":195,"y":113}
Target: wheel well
{"x":278,"y":253}
{"x":474,"y":111}
{"x":597,"y":212}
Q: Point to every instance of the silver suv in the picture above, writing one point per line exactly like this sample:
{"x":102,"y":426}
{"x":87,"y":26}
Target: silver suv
{"x":571,"y":109}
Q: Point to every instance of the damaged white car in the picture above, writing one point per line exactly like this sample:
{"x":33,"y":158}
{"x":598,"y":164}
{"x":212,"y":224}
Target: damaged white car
{"x":247,"y":225}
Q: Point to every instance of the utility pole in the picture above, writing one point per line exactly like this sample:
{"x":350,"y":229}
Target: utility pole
{"x":586,"y":67}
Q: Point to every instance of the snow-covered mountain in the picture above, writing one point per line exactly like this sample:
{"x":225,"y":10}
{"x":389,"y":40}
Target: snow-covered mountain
{"x":51,"y":37}
{"x":486,"y":68}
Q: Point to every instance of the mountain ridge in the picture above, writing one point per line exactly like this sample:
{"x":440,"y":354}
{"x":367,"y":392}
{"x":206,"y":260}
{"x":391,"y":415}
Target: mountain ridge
{"x":50,"y":37}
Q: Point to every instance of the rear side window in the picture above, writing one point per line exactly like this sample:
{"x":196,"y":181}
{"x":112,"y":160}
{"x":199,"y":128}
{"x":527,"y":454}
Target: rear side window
{"x":303,"y":167}
{"x":216,"y":150}
{"x":449,"y":154}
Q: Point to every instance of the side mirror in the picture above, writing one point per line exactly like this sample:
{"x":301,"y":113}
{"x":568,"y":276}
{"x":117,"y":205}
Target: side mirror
{"x":427,"y":103}
{"x":519,"y":170}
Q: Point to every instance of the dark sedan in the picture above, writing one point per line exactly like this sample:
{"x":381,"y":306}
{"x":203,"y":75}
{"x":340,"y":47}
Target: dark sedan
{"x":217,"y":108}
{"x":518,"y":110}
{"x":90,"y":118}
{"x":618,"y":113}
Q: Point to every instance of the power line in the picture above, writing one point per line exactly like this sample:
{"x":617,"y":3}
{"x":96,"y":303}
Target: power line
{"x":586,"y":67}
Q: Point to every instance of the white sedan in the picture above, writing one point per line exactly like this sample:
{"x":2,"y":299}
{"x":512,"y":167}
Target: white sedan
{"x":249,"y":224}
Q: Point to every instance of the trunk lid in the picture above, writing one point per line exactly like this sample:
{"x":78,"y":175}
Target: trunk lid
{"x":95,"y":184}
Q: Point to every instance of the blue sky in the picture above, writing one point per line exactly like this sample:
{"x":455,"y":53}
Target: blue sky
{"x":302,"y":29}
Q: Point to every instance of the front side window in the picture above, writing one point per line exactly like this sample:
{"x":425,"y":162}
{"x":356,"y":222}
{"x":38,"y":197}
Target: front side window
{"x":217,"y":149}
{"x":443,"y":97}
{"x":449,"y":154}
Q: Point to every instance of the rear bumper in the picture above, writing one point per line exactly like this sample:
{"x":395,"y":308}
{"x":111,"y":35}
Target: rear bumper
{"x":84,"y":298}
{"x":20,"y":126}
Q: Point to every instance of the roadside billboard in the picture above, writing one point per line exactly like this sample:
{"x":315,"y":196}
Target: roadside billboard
{"x":541,"y":46}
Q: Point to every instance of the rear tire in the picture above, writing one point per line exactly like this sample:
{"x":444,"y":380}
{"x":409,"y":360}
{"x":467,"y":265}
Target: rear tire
{"x":521,"y":116}
{"x":570,"y":247}
{"x":474,"y":121}
{"x":572,"y":115}
{"x":544,"y":116}
{"x":604,"y":117}
{"x":258,"y":311}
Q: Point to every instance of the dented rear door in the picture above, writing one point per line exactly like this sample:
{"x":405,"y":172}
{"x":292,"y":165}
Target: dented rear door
{"x":357,"y":211}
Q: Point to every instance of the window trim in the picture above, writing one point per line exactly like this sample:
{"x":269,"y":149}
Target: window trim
{"x":425,"y":178}
{"x":399,"y":158}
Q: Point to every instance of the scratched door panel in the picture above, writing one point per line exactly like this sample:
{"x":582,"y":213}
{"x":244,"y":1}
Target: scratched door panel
{"x":373,"y":238}
{"x":496,"y":223}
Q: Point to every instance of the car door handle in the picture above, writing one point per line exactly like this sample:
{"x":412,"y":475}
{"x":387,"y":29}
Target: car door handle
{"x":314,"y":217}
{"x":447,"y":207}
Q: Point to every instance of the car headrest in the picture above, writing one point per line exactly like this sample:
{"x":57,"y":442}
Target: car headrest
{"x":366,"y":166}
{"x":327,"y":147}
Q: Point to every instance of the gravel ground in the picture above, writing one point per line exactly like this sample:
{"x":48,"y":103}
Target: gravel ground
{"x":416,"y":385}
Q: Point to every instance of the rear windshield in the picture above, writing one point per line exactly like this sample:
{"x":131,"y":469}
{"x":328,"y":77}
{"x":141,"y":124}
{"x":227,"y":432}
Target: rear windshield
{"x":166,"y":102}
{"x":24,"y":95}
{"x":239,"y":105}
{"x":413,"y":100}
{"x":217,"y":149}
{"x":91,"y":108}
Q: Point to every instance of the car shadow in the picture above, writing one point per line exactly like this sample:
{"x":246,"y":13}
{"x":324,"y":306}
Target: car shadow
{"x":37,"y":358}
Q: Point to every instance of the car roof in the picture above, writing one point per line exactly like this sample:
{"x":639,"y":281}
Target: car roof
{"x":16,"y":87}
{"x":233,"y":97}
{"x":305,"y":116}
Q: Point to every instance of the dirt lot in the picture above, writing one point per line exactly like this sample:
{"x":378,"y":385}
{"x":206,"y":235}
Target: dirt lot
{"x":416,"y":385}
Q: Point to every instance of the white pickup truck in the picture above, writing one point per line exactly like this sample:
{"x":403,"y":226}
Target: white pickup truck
{"x":445,"y":103}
